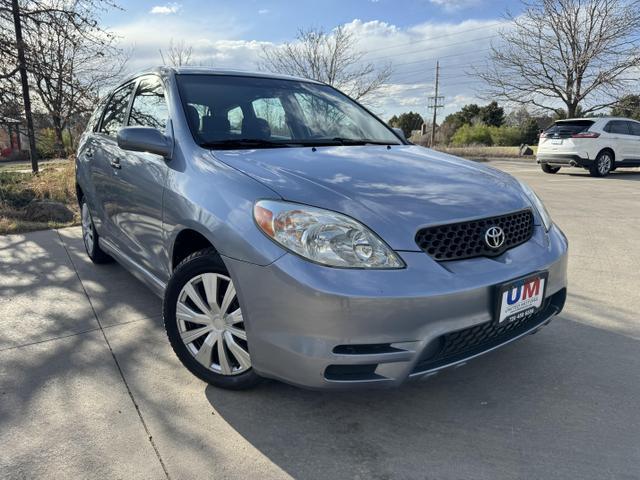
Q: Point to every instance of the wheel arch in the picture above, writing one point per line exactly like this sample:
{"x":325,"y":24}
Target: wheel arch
{"x":79,"y":193}
{"x":610,"y":150}
{"x":186,"y":241}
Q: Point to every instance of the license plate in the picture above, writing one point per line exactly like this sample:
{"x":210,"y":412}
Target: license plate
{"x":556,"y":141}
{"x":521,"y":298}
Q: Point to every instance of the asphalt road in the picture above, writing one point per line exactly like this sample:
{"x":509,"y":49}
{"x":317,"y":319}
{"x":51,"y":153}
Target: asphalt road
{"x":89,"y":387}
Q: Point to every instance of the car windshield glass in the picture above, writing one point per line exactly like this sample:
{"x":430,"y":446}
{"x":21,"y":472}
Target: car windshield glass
{"x":236,"y":112}
{"x":570,"y":127}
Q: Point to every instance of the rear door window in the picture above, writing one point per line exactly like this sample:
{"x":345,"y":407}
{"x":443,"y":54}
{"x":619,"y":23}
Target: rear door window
{"x":92,"y":123}
{"x":619,"y":127}
{"x":568,"y":128}
{"x":116,"y":111}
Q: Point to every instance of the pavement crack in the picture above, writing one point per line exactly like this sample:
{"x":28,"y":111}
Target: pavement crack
{"x":51,"y":339}
{"x":117,"y":363}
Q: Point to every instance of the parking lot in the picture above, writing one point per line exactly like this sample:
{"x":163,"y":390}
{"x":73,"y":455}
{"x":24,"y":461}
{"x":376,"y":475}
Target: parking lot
{"x":89,"y":386}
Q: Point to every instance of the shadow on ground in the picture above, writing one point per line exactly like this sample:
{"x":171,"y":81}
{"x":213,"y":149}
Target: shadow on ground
{"x":559,"y":404}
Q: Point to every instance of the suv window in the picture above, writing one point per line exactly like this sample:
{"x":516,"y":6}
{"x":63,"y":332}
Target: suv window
{"x":635,"y":128}
{"x":568,"y":128}
{"x":618,"y":126}
{"x":149,"y":108}
{"x":116,"y":111}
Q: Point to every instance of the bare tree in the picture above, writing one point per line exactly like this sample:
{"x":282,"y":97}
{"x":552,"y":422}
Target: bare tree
{"x":332,"y":58}
{"x":70,"y":66}
{"x":579,"y":54}
{"x":20,"y":22}
{"x":177,"y":54}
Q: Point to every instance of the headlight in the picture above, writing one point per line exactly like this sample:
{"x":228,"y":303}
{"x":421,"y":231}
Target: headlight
{"x":539,"y":206}
{"x":323,"y":236}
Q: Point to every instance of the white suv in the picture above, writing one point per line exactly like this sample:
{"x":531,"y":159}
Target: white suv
{"x":599,"y":145}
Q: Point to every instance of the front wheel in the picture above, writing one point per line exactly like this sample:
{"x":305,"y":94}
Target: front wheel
{"x":602,"y":166}
{"x":204,"y":322}
{"x":546,"y":168}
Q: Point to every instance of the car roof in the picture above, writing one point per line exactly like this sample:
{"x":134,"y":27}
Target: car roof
{"x":595,"y":119}
{"x":190,"y":70}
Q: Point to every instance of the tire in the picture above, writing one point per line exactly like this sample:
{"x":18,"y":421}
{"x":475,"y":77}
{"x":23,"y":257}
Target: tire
{"x":603,"y":164}
{"x":90,"y":236}
{"x":210,"y":341}
{"x":549,"y":169}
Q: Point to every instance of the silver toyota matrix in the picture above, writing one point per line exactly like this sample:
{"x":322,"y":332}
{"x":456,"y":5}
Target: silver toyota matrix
{"x":295,"y":236}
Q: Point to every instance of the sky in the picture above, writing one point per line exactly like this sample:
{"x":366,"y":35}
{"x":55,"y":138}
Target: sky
{"x":408,"y":35}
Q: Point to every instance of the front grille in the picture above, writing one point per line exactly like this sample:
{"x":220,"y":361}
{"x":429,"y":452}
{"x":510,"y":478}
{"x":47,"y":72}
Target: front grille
{"x":456,"y":241}
{"x":455,"y":346}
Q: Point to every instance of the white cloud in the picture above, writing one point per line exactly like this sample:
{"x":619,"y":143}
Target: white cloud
{"x":453,"y":5}
{"x":411,"y":52}
{"x":168,"y":9}
{"x":263,"y":11}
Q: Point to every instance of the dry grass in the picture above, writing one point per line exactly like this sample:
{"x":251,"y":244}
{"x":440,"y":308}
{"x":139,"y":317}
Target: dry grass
{"x":475,"y":152}
{"x":56,"y":181}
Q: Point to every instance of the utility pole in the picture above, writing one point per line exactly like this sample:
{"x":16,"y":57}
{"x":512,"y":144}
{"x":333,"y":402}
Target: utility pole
{"x":435,"y":103}
{"x":22,"y":67}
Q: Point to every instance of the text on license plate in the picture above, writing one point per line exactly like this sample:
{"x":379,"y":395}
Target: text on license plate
{"x":522,"y":299}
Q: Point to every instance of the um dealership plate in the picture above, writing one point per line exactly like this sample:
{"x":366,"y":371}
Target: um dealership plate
{"x":521,"y":298}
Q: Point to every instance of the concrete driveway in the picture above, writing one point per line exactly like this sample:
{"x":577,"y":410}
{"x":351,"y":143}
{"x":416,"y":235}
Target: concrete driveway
{"x":89,"y":387}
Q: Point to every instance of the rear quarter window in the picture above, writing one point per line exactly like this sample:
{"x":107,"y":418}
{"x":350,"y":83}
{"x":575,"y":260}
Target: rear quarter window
{"x":635,"y":128}
{"x":618,"y":126}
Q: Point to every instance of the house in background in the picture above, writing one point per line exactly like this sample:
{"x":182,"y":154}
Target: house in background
{"x":11,"y":141}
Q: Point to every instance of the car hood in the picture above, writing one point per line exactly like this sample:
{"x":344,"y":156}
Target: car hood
{"x":394,"y":191}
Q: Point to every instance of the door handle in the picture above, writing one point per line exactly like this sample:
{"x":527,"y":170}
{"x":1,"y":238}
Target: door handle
{"x":115,"y":163}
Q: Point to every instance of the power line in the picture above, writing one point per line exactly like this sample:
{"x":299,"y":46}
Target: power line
{"x":422,"y":71}
{"x":436,"y":37}
{"x":473,"y":40}
{"x":475,"y":52}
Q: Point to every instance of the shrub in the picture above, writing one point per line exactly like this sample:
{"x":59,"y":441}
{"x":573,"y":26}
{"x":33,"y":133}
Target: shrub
{"x":478,"y":134}
{"x":505,"y":136}
{"x":46,"y":143}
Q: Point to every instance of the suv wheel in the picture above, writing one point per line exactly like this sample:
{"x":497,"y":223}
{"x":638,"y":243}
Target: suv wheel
{"x":603,"y":165}
{"x":546,"y":168}
{"x":204,"y":323}
{"x":90,"y":236}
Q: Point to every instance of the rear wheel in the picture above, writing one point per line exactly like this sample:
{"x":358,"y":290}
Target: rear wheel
{"x":546,"y":168}
{"x":603,"y":165}
{"x":90,"y":236}
{"x":204,"y":322}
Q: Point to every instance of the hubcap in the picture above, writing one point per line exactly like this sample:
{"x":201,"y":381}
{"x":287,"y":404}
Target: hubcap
{"x":211,"y":325}
{"x":604,"y":165}
{"x":87,"y":230}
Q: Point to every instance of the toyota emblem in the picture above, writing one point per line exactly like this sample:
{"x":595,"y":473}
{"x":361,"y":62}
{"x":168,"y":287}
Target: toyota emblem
{"x":494,"y":237}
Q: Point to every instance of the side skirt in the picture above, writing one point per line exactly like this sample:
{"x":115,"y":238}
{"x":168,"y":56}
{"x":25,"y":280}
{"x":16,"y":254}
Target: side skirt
{"x":154,"y":283}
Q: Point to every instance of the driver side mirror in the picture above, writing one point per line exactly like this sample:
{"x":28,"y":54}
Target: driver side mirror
{"x":400,"y":133}
{"x":145,"y":139}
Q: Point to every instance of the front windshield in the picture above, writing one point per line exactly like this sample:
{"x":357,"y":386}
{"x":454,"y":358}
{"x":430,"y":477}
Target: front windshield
{"x":226,"y":111}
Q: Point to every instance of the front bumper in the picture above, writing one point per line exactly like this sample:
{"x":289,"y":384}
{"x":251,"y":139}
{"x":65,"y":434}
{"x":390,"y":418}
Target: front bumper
{"x":321,"y":327}
{"x":564,"y":160}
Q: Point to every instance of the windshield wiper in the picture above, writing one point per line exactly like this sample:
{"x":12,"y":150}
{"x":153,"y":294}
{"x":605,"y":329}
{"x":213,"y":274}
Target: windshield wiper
{"x":248,"y":143}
